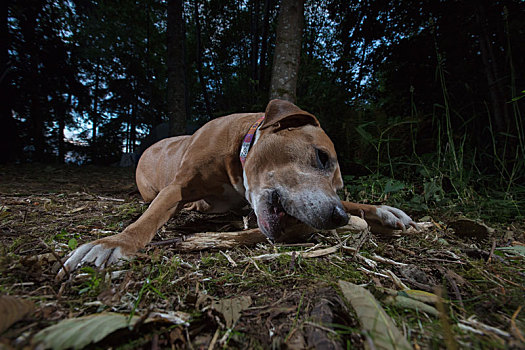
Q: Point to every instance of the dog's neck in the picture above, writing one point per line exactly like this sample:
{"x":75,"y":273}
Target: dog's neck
{"x":247,"y":142}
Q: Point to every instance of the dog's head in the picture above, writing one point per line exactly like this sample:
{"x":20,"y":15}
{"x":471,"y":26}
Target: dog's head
{"x":292,"y":174}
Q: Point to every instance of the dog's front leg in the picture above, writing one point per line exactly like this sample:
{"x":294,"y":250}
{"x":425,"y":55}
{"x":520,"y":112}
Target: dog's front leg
{"x":109,"y":250}
{"x":380,"y":215}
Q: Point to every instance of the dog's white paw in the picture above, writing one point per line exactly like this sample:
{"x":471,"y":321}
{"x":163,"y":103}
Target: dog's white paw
{"x":98,"y":254}
{"x":394,"y":218}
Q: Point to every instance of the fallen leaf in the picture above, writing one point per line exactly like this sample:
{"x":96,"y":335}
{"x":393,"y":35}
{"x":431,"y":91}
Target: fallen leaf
{"x":78,"y":332}
{"x":319,"y":252}
{"x":13,"y":309}
{"x":470,"y":228}
{"x":66,"y":334}
{"x":373,"y":318}
{"x":419,"y":295}
{"x":231,"y":308}
{"x":76,"y":210}
{"x":175,"y":317}
{"x":408,"y":303}
{"x":514,"y":250}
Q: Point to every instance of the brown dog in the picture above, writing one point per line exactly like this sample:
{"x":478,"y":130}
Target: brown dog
{"x":289,"y":177}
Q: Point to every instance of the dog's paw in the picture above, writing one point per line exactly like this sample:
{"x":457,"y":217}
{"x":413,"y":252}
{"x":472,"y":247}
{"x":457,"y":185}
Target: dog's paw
{"x":97,"y":253}
{"x":394,"y":218}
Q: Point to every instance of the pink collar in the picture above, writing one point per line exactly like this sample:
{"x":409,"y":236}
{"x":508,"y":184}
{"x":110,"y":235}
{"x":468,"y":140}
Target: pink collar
{"x":247,"y":142}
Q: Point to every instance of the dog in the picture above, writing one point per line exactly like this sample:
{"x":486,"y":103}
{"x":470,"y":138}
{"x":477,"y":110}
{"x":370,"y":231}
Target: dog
{"x":280,"y":162}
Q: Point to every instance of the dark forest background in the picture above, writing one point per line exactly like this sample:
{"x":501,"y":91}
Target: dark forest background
{"x":423,"y":91}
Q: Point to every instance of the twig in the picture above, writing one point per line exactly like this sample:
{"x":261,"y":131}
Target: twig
{"x":111,"y":199}
{"x":447,"y":333}
{"x":292,"y":245}
{"x":491,"y":251}
{"x":361,"y":268}
{"x":188,"y":340}
{"x":330,"y":330}
{"x":446,"y":261}
{"x":356,"y":254}
{"x":475,"y":323}
{"x":455,"y":288}
{"x":214,"y":339}
{"x":226,"y":335}
{"x":257,"y":266}
{"x":362,"y":239}
{"x":386,"y":260}
{"x":167,"y":241}
{"x":229,"y":258}
{"x":306,"y":254}
{"x":397,"y":281}
{"x":513,"y":326}
{"x":59,"y":259}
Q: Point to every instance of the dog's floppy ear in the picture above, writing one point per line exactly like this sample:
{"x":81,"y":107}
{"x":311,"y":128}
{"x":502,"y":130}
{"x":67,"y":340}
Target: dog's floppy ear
{"x":284,"y":114}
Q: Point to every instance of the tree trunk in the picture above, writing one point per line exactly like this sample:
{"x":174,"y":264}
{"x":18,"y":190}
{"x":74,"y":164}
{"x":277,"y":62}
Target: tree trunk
{"x":133,"y":123}
{"x":264,"y":44}
{"x":492,"y":73}
{"x":199,"y":61}
{"x":62,"y":114}
{"x":254,"y":28}
{"x":94,"y":117}
{"x":9,"y":140}
{"x":33,"y":79}
{"x":175,"y":60}
{"x":287,"y":55}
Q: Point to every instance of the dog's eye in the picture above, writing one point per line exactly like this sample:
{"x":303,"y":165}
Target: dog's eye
{"x":323,"y":159}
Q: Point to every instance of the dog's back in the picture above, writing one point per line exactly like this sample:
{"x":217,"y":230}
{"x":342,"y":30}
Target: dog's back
{"x":158,"y":165}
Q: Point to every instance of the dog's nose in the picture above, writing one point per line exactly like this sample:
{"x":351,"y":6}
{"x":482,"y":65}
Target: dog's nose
{"x":339,"y":216}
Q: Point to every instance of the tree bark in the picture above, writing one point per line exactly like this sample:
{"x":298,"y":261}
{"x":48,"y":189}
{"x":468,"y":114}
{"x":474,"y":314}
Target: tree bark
{"x":228,"y":240}
{"x":176,"y":82}
{"x":28,"y":26}
{"x":94,"y":117}
{"x":287,"y":55}
{"x":62,"y":115}
{"x":199,"y":61}
{"x":9,"y":140}
{"x":492,"y":73}
{"x":254,"y":28}
{"x":264,"y":44}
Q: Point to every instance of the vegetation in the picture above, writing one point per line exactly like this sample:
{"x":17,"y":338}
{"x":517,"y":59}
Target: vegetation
{"x":426,"y":93}
{"x":424,"y":101}
{"x":295,"y":301}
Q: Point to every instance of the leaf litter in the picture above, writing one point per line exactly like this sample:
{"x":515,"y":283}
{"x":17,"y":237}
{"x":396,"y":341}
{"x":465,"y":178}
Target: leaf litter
{"x":255,"y":296}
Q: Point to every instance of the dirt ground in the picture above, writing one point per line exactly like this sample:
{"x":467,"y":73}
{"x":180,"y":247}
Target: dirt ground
{"x":288,"y":300}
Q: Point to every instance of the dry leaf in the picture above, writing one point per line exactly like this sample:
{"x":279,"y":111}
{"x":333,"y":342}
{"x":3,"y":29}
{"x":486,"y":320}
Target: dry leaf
{"x":13,"y":309}
{"x":513,"y":250}
{"x":231,"y":308}
{"x":408,"y":303}
{"x":175,"y":317}
{"x":470,"y":228}
{"x":373,"y":318}
{"x":78,"y":332}
{"x":419,"y":295}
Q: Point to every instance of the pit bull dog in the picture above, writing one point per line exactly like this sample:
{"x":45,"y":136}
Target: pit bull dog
{"x":279,"y":162}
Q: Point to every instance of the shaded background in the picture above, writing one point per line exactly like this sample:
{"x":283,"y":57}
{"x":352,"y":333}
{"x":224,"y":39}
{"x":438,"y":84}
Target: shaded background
{"x":417,"y":91}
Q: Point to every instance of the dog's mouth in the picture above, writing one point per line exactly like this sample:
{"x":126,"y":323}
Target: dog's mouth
{"x":272,"y":217}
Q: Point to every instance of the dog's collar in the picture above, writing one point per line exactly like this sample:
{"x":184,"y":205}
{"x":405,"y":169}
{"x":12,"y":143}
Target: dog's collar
{"x":247,"y":142}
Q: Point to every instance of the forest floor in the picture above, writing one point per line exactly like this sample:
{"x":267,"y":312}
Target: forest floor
{"x":236,"y":298}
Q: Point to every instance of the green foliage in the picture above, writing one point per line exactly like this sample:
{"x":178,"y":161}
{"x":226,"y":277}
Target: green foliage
{"x":147,"y":286}
{"x":72,"y":244}
{"x":93,"y":283}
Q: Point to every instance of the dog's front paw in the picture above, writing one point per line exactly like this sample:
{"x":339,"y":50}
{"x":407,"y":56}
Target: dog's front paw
{"x":394,"y":218}
{"x":98,"y":253}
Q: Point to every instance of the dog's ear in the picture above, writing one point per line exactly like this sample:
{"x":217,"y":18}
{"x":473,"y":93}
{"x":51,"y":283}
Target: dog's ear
{"x":284,"y":114}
